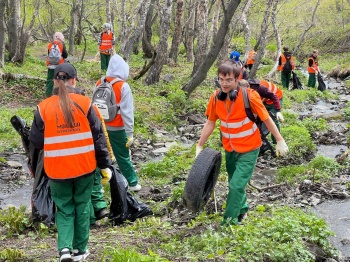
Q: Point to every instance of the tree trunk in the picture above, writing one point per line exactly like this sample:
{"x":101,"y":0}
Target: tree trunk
{"x":24,"y":34}
{"x":2,"y":33}
{"x":264,"y":27}
{"x":202,"y":27}
{"x":122,"y":18}
{"x":203,"y":69}
{"x":108,"y":12}
{"x":174,"y":50}
{"x":73,"y":26}
{"x":80,"y":13}
{"x":278,"y":41}
{"x":215,"y":23}
{"x":189,"y":29}
{"x":137,"y":31}
{"x":147,"y":47}
{"x":246,"y":29}
{"x":162,"y":48}
{"x":14,"y":25}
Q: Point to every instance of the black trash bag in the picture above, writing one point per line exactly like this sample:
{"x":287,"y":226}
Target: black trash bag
{"x":124,"y":206}
{"x":43,"y":207}
{"x":296,"y":81}
{"x":264,"y":132}
{"x":321,"y":84}
{"x":22,"y":129}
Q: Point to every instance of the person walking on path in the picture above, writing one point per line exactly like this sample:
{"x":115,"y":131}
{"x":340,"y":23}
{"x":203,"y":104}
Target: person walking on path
{"x":240,"y":136}
{"x":106,"y":43}
{"x":53,"y":60}
{"x":286,"y":66}
{"x":67,"y":128}
{"x":312,"y":69}
{"x":271,"y":96}
{"x":121,"y":129}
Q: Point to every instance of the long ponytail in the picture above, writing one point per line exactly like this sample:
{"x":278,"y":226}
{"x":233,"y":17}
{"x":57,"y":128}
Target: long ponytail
{"x":66,"y":103}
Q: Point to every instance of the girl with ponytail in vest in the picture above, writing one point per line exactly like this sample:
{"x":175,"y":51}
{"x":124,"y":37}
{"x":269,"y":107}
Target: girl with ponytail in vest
{"x":67,"y":128}
{"x":240,"y":136}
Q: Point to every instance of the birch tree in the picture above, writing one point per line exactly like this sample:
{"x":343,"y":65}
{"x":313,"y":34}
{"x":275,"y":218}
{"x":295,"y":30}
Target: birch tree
{"x":13,"y":24}
{"x":189,"y":31}
{"x":147,"y":47}
{"x":162,"y":48}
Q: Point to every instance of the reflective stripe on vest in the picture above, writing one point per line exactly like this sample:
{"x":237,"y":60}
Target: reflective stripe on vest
{"x":272,"y":88}
{"x":69,"y":152}
{"x":238,"y":132}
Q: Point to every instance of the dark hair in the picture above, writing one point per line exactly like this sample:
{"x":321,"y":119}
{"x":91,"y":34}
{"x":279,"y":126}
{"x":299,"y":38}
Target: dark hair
{"x":285,"y":48}
{"x":66,"y":103}
{"x":228,"y":66}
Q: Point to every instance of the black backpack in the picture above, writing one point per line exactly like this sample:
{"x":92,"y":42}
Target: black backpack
{"x":287,"y":68}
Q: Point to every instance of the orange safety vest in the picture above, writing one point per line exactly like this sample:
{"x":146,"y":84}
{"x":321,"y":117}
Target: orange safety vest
{"x":251,"y":57}
{"x":68,"y":152}
{"x":106,"y":43}
{"x":117,"y":87}
{"x":314,"y":66}
{"x":60,"y":46}
{"x":239,"y":133}
{"x":284,"y":60}
{"x":272,"y":88}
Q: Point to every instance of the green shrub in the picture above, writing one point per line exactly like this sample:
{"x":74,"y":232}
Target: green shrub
{"x":299,"y":141}
{"x":14,"y":220}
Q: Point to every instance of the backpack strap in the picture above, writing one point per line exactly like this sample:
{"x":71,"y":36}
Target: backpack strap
{"x":247,"y":108}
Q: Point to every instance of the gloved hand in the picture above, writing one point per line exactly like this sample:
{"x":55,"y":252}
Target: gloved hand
{"x":130,"y":141}
{"x":198,"y":150}
{"x":280,"y":117}
{"x":281,"y":148}
{"x":106,"y":175}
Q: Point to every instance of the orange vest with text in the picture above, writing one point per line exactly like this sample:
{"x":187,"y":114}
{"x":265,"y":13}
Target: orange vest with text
{"x":239,"y":133}
{"x":117,"y":87}
{"x":272,"y":88}
{"x":68,"y":152}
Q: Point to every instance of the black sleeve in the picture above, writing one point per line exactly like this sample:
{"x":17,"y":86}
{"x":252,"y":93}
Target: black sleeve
{"x":245,"y":74}
{"x":36,"y":135}
{"x":310,"y":63}
{"x":280,"y":61}
{"x":101,"y":151}
{"x":64,"y":51}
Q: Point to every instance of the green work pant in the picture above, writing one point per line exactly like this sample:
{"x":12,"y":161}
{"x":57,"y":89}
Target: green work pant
{"x":104,"y":61}
{"x":49,"y":82}
{"x":312,"y":80}
{"x":97,"y":200}
{"x":118,"y":141}
{"x":240,"y":169}
{"x":73,"y":199}
{"x":272,"y":109}
{"x":285,"y":77}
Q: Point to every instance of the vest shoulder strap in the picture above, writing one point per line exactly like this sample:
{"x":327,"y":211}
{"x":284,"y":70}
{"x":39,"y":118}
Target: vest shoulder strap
{"x":247,"y":108}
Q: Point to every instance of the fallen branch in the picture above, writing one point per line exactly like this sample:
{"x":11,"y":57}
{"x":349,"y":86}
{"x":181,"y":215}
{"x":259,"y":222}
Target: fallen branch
{"x":9,"y":76}
{"x":146,"y":67}
{"x":267,"y":187}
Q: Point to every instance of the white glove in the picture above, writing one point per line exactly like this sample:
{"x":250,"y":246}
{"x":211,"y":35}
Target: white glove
{"x":106,"y":174}
{"x":280,"y":117}
{"x":130,"y":141}
{"x":198,"y":150}
{"x":281,"y":148}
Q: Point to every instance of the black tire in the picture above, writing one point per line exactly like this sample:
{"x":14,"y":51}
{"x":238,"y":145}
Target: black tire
{"x":202,"y":179}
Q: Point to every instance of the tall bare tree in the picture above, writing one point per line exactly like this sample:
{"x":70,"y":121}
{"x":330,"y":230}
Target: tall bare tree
{"x":147,"y":47}
{"x":174,"y":50}
{"x":13,"y":24}
{"x":278,"y":40}
{"x":162,"y":48}
{"x":2,"y":33}
{"x":211,"y":56}
{"x":73,"y":26}
{"x":202,"y":36}
{"x":263,"y":37}
{"x":108,"y":12}
{"x":189,"y":30}
{"x":246,"y":29}
{"x":129,"y":43}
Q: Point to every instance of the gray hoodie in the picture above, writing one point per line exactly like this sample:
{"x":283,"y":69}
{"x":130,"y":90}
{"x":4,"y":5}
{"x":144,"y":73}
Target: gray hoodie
{"x":117,"y":67}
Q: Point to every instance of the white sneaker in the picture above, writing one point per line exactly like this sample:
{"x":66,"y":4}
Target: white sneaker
{"x":79,"y":256}
{"x":135,"y":188}
{"x":65,"y":255}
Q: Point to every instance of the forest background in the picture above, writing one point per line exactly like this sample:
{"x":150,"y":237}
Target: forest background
{"x":172,"y":48}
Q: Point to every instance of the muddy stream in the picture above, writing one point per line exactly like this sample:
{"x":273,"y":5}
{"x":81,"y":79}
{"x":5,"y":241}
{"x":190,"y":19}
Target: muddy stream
{"x":336,"y":212}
